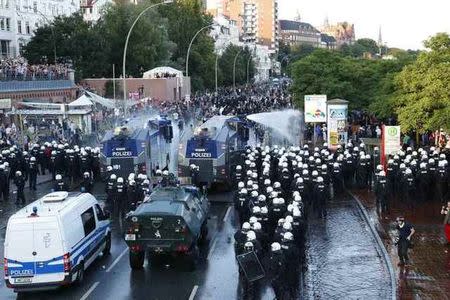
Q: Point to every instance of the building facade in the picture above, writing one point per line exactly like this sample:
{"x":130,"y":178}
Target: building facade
{"x":343,"y":32}
{"x":294,"y":33}
{"x":20,"y":18}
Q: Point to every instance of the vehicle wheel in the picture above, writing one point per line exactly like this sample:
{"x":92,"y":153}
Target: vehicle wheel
{"x":203,"y":233}
{"x":80,"y":275}
{"x":107,"y":250}
{"x":192,"y":259}
{"x":137,"y":260}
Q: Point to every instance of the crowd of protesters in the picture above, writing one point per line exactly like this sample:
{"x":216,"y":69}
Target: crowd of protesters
{"x":19,"y":69}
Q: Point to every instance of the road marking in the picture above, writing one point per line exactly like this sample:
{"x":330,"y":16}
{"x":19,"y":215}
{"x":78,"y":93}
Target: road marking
{"x":211,"y":250}
{"x":117,"y":259}
{"x":226,"y":214}
{"x":89,"y":291}
{"x":193,"y":293}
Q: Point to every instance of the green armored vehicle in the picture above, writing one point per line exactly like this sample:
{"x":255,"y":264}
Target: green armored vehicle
{"x":172,"y":220}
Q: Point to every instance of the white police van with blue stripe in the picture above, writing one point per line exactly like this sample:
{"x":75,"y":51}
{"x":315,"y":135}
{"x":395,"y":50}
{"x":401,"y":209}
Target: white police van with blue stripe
{"x":50,"y":242}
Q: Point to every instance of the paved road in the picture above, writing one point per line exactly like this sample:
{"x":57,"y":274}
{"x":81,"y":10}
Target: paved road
{"x":342,"y":257}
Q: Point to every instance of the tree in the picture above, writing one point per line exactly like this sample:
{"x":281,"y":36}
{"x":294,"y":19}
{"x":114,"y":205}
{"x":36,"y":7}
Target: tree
{"x":422,"y":99}
{"x":226,"y":62}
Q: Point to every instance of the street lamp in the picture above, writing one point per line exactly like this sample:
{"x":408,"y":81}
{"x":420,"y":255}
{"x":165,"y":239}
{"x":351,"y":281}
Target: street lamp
{"x":234,"y":68}
{"x":190,"y":45}
{"x":126,"y":46}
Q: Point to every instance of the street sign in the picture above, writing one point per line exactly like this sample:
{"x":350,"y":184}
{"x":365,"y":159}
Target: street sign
{"x":315,"y":108}
{"x":391,"y":140}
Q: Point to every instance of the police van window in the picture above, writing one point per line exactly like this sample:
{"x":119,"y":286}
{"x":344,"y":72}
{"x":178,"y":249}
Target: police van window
{"x":99,"y":213}
{"x":88,"y":220}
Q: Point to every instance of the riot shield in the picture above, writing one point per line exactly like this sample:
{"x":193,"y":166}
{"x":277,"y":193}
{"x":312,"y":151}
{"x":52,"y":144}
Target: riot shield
{"x":251,"y":266}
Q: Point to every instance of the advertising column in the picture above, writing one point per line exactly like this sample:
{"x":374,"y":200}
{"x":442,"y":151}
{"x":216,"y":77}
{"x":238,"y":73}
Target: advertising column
{"x":337,"y":123}
{"x":315,"y":110}
{"x":390,"y":142}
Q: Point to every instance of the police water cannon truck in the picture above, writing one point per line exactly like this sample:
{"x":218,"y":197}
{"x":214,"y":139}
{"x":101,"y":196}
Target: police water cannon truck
{"x":171,"y":221}
{"x":137,"y":150}
{"x":215,"y":148}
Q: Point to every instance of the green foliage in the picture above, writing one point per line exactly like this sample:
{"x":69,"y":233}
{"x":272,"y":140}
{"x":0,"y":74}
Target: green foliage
{"x":422,"y":99}
{"x":226,"y":62}
{"x":109,"y":89}
{"x":160,"y":37}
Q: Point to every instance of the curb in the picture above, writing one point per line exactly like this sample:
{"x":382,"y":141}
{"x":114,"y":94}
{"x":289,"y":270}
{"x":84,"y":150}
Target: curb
{"x":381,"y":246}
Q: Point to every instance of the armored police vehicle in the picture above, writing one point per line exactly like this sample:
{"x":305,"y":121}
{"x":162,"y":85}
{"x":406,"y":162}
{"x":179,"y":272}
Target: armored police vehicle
{"x":172,"y":220}
{"x":214,"y":147}
{"x":50,"y":242}
{"x":137,"y":150}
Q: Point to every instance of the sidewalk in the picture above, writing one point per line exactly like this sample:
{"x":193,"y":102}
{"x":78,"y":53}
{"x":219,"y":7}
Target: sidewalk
{"x":428,"y":277}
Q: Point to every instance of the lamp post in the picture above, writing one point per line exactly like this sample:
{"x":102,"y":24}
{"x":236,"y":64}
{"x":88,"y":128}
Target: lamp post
{"x":190,"y":45}
{"x":234,"y":68}
{"x":126,"y":46}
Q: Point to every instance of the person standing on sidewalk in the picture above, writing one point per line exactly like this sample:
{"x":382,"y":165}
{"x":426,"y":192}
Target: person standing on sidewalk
{"x":405,"y":232}
{"x":446,"y":212}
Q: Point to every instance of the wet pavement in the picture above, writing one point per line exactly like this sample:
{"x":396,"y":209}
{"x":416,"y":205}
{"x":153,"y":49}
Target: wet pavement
{"x":342,"y":257}
{"x":428,"y":276}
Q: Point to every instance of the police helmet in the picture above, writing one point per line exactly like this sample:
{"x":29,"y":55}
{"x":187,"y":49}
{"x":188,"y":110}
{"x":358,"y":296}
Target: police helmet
{"x":158,"y":172}
{"x":277,"y":185}
{"x":290,"y":207}
{"x":238,"y":167}
{"x":146,"y":182}
{"x":288,"y":236}
{"x":280,"y":222}
{"x":274,"y":195}
{"x":319,"y":179}
{"x":32,"y":158}
{"x":296,"y":212}
{"x":408,"y":171}
{"x":280,"y":200}
{"x":269,"y":189}
{"x":264,"y":210}
{"x":244,"y":191}
{"x":431,"y":161}
{"x":261,"y":198}
{"x":18,"y":173}
{"x":108,"y":168}
{"x":250,"y":183}
{"x":248,"y":246}
{"x":251,"y":236}
{"x":257,"y":226}
{"x":305,"y":172}
{"x":254,"y":194}
{"x":256,"y":209}
{"x":165,"y":173}
{"x":315,"y":173}
{"x":131,"y":182}
{"x":402,"y":166}
{"x":120,"y":180}
{"x":289,"y":219}
{"x":86,"y":174}
{"x":275,"y":247}
{"x":253,"y":220}
{"x":58,"y":177}
{"x":297,"y":198}
{"x":113,"y":177}
{"x":379,"y":168}
{"x":241,"y":185}
{"x":246,"y":226}
{"x":267,"y":182}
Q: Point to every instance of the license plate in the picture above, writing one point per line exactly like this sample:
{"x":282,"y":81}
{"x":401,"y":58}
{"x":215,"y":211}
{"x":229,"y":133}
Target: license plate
{"x":23,"y":280}
{"x":130,"y":237}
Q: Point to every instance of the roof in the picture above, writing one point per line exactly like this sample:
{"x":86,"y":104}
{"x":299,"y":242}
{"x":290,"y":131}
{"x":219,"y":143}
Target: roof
{"x":82,"y":101}
{"x":136,"y":134}
{"x":161,"y":70}
{"x":167,"y":200}
{"x":327,"y":38}
{"x":215,"y":125}
{"x":48,"y":209}
{"x":35,"y":85}
{"x":337,"y":101}
{"x":295,"y":25}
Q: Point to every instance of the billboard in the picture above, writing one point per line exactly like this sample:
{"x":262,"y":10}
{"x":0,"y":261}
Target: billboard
{"x":337,"y":124}
{"x":315,"y":108}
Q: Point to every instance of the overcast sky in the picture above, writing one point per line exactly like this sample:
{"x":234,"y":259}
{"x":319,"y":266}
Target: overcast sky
{"x":404,"y":24}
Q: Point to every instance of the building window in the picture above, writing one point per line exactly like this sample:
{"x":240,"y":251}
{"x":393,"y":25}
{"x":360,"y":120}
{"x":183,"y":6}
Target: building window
{"x":35,"y":9}
{"x":8,"y":25}
{"x":19,"y":26}
{"x":2,"y":24}
{"x":27,"y":27}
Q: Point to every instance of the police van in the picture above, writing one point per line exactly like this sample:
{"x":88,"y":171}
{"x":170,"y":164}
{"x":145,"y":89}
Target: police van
{"x":50,"y":242}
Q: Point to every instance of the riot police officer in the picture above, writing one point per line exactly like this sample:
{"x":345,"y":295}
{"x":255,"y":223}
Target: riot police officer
{"x":32,"y":172}
{"x":86,"y":184}
{"x":19,"y":181}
